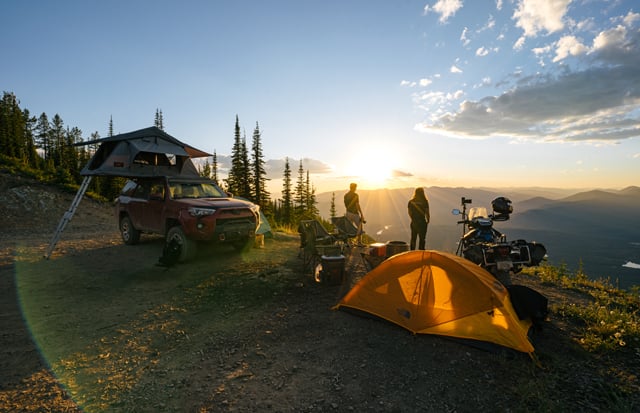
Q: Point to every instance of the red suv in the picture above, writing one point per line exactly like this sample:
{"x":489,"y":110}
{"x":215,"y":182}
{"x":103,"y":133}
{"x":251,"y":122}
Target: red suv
{"x":187,"y":210}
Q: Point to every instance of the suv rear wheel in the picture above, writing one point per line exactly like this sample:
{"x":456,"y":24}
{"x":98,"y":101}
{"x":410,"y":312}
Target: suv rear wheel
{"x":187,"y":246}
{"x":129,"y":234}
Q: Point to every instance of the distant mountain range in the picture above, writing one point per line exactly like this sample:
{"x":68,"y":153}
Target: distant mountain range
{"x":597,"y":230}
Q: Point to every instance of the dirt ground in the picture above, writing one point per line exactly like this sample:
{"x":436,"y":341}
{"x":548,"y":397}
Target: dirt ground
{"x":100,"y":327}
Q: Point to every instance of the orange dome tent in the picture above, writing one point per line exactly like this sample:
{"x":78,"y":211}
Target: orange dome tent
{"x":433,"y":292}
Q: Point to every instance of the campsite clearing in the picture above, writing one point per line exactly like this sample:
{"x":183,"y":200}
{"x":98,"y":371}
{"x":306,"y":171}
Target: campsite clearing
{"x":100,"y":326}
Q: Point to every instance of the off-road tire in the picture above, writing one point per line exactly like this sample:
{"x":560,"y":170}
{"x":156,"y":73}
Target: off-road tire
{"x":130,"y":235}
{"x":188,"y":246}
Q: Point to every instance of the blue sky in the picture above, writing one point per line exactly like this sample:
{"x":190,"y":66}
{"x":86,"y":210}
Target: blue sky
{"x":384,"y":93}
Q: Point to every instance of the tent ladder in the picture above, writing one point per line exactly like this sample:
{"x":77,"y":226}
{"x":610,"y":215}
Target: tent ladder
{"x":68,"y":215}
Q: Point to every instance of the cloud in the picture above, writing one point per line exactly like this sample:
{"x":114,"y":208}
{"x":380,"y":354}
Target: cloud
{"x":445,"y":8}
{"x":533,"y":16}
{"x":598,"y":103}
{"x":455,"y":69}
{"x":572,"y":107}
{"x":463,"y":37}
{"x":400,"y":174}
{"x":482,"y":51}
{"x":569,"y":46}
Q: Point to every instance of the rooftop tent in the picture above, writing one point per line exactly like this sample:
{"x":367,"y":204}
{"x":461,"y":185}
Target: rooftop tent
{"x":145,"y":152}
{"x":432,"y":292}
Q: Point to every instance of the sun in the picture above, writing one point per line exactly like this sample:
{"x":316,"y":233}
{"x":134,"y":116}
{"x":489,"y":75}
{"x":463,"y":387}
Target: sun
{"x":372,"y":168}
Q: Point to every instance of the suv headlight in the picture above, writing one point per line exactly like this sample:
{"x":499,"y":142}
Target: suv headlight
{"x":201,"y":212}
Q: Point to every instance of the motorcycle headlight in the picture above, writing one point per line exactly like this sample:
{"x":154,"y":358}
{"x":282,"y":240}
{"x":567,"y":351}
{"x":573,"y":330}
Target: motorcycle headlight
{"x":201,"y":212}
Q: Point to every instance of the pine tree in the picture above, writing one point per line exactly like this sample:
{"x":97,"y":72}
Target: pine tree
{"x":43,"y":138}
{"x":57,"y":138}
{"x":310,"y":199}
{"x":206,"y":170}
{"x":246,"y":182}
{"x":332,"y":207}
{"x":300,"y":195}
{"x":235,"y":171}
{"x":31,"y":157}
{"x":214,"y":168}
{"x":110,"y":133}
{"x":159,"y":122}
{"x":260,"y":193}
{"x":12,"y":127}
{"x":287,"y":199}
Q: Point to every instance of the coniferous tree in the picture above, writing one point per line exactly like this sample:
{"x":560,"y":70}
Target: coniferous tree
{"x":214,"y":167}
{"x":287,"y":197}
{"x":57,"y":138}
{"x":11,"y":127}
{"x":310,"y":199}
{"x":260,"y":193}
{"x":299,"y":197}
{"x":332,"y":206}
{"x":31,"y":157}
{"x":206,"y":170}
{"x":43,"y":138}
{"x":70,"y":158}
{"x":235,"y":171}
{"x":159,"y":122}
{"x":110,"y":133}
{"x":246,"y":182}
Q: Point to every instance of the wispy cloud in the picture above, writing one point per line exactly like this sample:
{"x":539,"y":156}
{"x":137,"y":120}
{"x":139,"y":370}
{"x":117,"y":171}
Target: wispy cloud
{"x":445,"y":8}
{"x":599,"y":102}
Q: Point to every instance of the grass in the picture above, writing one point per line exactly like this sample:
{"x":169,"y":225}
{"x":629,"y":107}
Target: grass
{"x":611,"y":321}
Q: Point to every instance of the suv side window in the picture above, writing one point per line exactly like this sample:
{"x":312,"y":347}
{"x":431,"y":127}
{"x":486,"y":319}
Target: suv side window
{"x":157,"y":191}
{"x":142,"y":190}
{"x":128,"y":188}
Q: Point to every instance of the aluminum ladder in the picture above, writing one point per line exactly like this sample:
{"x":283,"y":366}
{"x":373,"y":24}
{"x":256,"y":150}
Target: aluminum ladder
{"x":68,"y":215}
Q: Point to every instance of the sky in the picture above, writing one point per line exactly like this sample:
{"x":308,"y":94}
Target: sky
{"x":388,"y":94}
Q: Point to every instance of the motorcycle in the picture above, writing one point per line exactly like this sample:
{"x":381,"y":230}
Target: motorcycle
{"x":484,"y":245}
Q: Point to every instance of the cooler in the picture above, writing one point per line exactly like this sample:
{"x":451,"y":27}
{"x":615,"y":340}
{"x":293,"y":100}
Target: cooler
{"x":332,"y":272}
{"x":378,"y":249}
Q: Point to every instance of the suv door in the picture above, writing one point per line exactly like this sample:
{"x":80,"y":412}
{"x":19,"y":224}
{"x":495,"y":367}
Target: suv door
{"x":146,"y":204}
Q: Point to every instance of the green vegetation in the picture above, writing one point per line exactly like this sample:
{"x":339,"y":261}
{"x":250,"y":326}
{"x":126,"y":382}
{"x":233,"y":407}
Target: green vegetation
{"x":53,"y":153}
{"x":609,"y":318}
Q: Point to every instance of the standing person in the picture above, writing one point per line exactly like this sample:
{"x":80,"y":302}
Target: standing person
{"x":354,"y":212}
{"x":419,"y":213}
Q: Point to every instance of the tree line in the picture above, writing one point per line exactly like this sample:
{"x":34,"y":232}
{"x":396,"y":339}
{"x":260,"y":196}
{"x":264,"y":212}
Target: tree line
{"x":54,"y":153}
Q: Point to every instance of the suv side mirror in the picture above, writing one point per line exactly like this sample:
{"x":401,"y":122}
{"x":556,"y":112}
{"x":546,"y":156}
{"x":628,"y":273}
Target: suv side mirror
{"x":455,"y":211}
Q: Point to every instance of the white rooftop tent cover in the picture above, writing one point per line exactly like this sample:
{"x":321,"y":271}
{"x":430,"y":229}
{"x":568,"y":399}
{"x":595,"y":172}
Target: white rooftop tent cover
{"x":145,"y":152}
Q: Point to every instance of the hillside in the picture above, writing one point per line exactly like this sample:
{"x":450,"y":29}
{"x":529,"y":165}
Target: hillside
{"x":102,"y":328}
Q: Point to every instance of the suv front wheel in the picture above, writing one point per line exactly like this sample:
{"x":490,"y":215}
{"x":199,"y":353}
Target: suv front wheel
{"x":187,"y":246}
{"x":129,"y":234}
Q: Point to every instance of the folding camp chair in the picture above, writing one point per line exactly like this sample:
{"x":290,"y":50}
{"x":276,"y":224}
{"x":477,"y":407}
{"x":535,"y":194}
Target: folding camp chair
{"x":316,"y":241}
{"x":346,"y":231}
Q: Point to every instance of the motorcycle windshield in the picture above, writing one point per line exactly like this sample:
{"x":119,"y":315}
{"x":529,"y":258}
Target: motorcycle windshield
{"x":478,"y":212}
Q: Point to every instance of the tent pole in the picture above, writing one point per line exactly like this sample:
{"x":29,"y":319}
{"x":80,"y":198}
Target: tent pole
{"x":68,"y":215}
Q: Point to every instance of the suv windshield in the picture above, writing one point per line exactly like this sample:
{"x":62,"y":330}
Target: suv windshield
{"x":195,"y":190}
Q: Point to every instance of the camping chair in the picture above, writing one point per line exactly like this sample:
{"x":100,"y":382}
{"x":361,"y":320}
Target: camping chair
{"x":315,"y":242}
{"x":346,"y":231}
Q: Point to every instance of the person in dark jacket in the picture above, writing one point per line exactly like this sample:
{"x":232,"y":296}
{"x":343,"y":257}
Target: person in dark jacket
{"x":354,"y":212}
{"x":419,"y":213}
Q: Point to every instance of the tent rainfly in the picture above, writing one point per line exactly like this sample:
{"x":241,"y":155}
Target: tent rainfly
{"x":433,"y":292}
{"x":141,"y":153}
